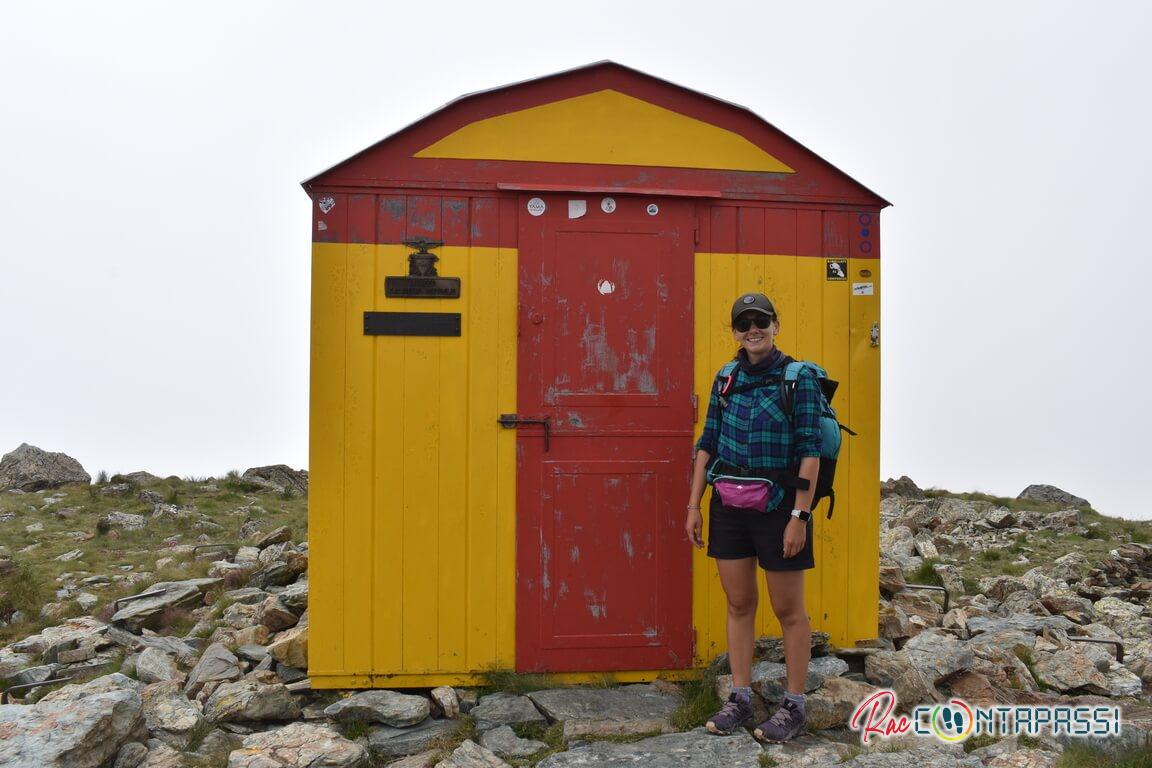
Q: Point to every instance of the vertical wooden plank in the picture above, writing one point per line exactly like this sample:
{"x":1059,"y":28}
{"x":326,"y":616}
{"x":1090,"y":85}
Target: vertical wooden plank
{"x":391,"y":221}
{"x":702,"y":567}
{"x":454,"y":222}
{"x":750,"y":235}
{"x":452,"y":509}
{"x":390,"y":482}
{"x":506,"y":305}
{"x":329,"y":217}
{"x":836,"y":576}
{"x":484,"y":225}
{"x":326,"y":458}
{"x":423,"y":217}
{"x":780,"y":231}
{"x":484,"y":343}
{"x":509,"y":223}
{"x":809,"y":324}
{"x":359,"y":384}
{"x":722,"y":292}
{"x":723,"y":229}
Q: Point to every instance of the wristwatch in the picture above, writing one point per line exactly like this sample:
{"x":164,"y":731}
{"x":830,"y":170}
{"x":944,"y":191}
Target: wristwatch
{"x":805,"y":516}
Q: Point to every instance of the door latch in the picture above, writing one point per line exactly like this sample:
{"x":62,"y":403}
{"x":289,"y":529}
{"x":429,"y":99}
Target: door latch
{"x":511,"y":421}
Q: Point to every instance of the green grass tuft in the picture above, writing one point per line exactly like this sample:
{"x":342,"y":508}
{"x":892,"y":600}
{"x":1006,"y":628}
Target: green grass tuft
{"x":510,"y":681}
{"x":925,"y":574}
{"x":698,"y":702}
{"x":1083,"y":755}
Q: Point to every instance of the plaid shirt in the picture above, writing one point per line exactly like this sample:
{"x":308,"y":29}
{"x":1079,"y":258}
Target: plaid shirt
{"x":753,"y":430}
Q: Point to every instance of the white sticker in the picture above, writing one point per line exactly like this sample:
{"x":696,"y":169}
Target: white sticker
{"x":605,"y":287}
{"x":608,"y":205}
{"x":653,"y":209}
{"x":320,"y":225}
{"x":577,"y":208}
{"x":326,"y":204}
{"x":536,"y":206}
{"x":862,"y":289}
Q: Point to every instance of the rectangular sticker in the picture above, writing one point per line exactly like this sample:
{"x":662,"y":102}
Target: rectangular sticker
{"x":862,"y":289}
{"x":577,"y":208}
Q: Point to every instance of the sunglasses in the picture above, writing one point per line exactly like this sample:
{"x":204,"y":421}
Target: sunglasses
{"x":743,"y":324}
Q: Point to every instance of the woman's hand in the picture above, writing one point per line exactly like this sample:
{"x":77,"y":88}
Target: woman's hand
{"x":795,"y":534}
{"x":693,"y":526}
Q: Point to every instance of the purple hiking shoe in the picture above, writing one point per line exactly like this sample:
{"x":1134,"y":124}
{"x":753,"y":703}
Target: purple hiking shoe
{"x":735,"y":713}
{"x":788,"y":723}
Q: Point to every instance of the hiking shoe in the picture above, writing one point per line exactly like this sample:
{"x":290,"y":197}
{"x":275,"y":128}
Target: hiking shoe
{"x":735,"y":713}
{"x":788,"y":723}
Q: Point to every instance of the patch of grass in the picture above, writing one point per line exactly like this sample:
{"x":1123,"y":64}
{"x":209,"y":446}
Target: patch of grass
{"x":1093,"y":533}
{"x":854,"y":751}
{"x":173,"y":497}
{"x":925,"y":574}
{"x":971,"y":586}
{"x":992,"y":555}
{"x":1024,"y":653}
{"x":102,"y":477}
{"x":24,"y":590}
{"x":176,"y":621}
{"x":510,"y":681}
{"x":197,"y":735}
{"x":355,"y":729}
{"x":552,"y":735}
{"x":979,"y":741}
{"x":1083,"y":755}
{"x":698,"y":702}
{"x":767,"y":761}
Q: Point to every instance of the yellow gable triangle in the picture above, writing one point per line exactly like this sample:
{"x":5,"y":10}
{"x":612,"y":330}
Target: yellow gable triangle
{"x":608,"y":128}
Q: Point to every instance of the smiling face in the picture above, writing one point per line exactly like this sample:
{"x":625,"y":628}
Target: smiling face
{"x":756,"y":341}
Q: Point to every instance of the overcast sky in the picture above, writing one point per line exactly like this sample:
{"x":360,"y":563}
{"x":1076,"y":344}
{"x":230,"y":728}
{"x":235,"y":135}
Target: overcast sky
{"x":154,"y":240}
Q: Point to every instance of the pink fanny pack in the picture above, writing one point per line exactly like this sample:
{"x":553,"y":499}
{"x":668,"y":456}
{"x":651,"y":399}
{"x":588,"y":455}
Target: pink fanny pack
{"x":743,"y":493}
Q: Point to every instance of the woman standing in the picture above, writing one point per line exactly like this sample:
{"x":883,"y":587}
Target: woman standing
{"x":748,"y":435}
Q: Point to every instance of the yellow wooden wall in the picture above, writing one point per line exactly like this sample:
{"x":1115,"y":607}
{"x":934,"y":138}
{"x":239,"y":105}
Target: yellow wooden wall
{"x":412,"y":504}
{"x":820,"y":321}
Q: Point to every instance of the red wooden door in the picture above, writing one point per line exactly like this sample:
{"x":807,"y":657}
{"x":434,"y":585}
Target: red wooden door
{"x":606,"y":356}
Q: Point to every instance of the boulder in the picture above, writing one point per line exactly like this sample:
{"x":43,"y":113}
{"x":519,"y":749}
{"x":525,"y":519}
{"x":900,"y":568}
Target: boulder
{"x":449,"y":702}
{"x":938,"y":654}
{"x":832,"y":704}
{"x":503,"y":742}
{"x":217,"y":664}
{"x":1001,"y":517}
{"x":76,"y":731}
{"x":1071,"y":670}
{"x":770,"y":678}
{"x":299,"y":745}
{"x":291,"y":647}
{"x":155,"y":666}
{"x":893,"y":669}
{"x":147,"y":612}
{"x":385,"y":741}
{"x":278,"y":477}
{"x":903,"y":487}
{"x":29,"y":468}
{"x":498,"y":709}
{"x":624,"y":711}
{"x":170,"y":716}
{"x":1051,"y":494}
{"x":381,"y":706}
{"x":471,"y":755}
{"x":248,"y":700}
{"x":121,"y":521}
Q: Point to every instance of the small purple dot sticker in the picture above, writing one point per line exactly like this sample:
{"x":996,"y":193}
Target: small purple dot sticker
{"x":865,"y":232}
{"x":865,"y":247}
{"x":865,"y":219}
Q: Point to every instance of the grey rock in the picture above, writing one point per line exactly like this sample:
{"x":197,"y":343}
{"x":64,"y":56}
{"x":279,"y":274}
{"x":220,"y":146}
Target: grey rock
{"x":627,"y":710}
{"x":893,"y":669}
{"x":380,"y":706}
{"x":217,"y":664}
{"x":170,"y":716}
{"x":694,"y":749}
{"x":154,"y":666}
{"x":280,"y":535}
{"x":503,"y":742}
{"x":29,"y":468}
{"x":903,"y":487}
{"x":131,"y":755}
{"x":49,"y":641}
{"x":832,"y":704}
{"x":386,"y":741}
{"x":83,"y":732}
{"x":277,"y":477}
{"x":248,"y":700}
{"x":246,"y":595}
{"x":1033,"y":624}
{"x":1001,"y":517}
{"x":1050,"y":493}
{"x":1122,"y":617}
{"x":179,"y":649}
{"x":147,"y":612}
{"x":471,"y":755}
{"x":1069,"y":670}
{"x":916,"y":757}
{"x":498,"y":709}
{"x":122,"y":521}
{"x":769,"y":678}
{"x":299,"y":745}
{"x":446,"y":698}
{"x":273,"y":614}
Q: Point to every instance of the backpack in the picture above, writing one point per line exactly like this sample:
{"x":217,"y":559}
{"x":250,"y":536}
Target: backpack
{"x":830,"y":428}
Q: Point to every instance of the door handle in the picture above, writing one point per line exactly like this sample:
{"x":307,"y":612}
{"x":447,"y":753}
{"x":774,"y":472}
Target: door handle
{"x":511,"y":421}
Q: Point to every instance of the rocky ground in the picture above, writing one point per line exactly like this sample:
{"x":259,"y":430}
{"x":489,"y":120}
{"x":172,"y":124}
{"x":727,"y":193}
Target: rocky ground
{"x":205,"y":666}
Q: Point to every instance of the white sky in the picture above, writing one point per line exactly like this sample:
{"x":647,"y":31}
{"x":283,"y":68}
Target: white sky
{"x":154,"y":241}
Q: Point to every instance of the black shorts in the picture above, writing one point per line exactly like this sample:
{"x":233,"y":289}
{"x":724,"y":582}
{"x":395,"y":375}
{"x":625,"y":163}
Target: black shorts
{"x":734,"y":534}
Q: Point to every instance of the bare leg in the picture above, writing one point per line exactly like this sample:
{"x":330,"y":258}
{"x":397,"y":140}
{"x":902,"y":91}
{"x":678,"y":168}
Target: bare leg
{"x":738,"y":577}
{"x":786,"y":591}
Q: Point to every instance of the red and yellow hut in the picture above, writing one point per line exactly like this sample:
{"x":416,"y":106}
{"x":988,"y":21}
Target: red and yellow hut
{"x":518,"y":307}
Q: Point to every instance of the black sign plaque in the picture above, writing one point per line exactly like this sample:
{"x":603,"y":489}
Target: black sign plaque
{"x":408,"y":287}
{"x":411,"y":323}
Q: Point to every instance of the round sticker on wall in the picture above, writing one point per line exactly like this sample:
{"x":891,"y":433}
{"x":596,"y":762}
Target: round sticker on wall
{"x":608,"y":205}
{"x":605,"y":287}
{"x":653,"y":209}
{"x":536,"y":206}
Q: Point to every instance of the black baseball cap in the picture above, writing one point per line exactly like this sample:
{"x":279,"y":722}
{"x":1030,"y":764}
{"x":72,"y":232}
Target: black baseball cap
{"x":752,"y":302}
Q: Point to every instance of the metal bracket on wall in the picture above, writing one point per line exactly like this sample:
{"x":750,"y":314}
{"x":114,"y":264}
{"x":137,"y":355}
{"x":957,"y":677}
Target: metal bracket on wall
{"x":511,"y":421}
